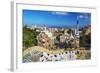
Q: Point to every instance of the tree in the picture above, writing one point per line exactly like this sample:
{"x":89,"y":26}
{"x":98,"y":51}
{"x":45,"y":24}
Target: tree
{"x":85,"y":40}
{"x":29,"y":37}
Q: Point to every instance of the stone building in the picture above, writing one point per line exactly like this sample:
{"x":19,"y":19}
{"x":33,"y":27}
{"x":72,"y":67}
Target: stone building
{"x":45,"y":39}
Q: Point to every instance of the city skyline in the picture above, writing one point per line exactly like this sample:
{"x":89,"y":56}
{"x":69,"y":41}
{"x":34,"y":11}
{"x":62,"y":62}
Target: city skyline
{"x":55,"y":18}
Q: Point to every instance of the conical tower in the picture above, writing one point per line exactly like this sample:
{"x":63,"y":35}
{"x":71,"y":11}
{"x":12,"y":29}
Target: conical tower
{"x":77,"y":28}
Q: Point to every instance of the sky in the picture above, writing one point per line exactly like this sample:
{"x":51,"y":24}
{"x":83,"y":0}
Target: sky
{"x":55,"y":18}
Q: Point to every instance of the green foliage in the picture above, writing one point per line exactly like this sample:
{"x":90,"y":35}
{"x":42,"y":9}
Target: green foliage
{"x":26,"y":56}
{"x":70,"y":31}
{"x":29,"y":37}
{"x":85,"y":40}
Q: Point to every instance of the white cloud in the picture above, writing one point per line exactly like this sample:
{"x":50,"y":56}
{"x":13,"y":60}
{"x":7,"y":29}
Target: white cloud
{"x":60,"y":13}
{"x":82,"y":16}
